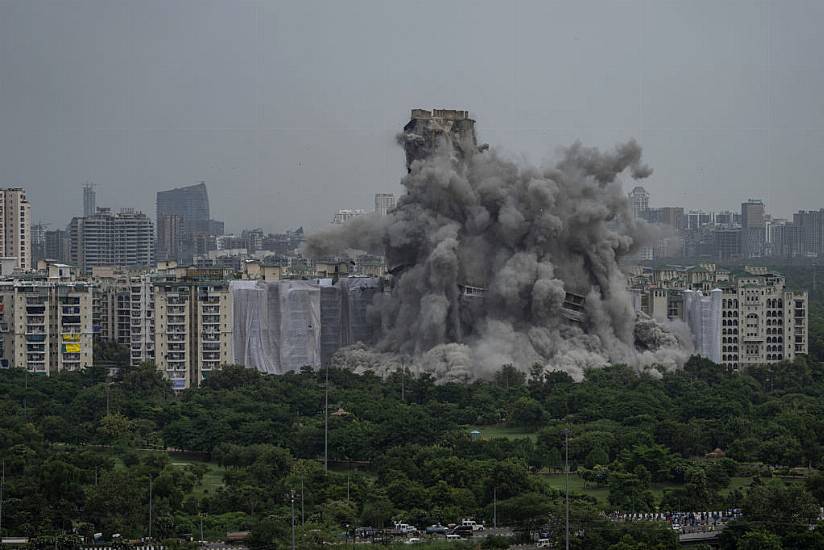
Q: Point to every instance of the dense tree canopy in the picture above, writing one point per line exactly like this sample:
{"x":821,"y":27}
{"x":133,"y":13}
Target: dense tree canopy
{"x":82,"y":451}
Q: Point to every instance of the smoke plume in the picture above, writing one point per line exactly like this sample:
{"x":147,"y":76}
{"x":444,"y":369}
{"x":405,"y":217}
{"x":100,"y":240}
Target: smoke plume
{"x":529,"y":237}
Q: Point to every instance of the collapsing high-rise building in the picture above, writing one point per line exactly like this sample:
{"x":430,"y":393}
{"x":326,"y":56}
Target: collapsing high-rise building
{"x":426,"y":131}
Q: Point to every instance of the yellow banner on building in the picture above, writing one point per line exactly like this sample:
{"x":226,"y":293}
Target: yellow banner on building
{"x":71,"y":337}
{"x":72,"y":348}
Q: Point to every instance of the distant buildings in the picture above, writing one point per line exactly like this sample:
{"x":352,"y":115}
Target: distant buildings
{"x":89,"y":200}
{"x":753,"y":229}
{"x":122,"y":239}
{"x":184,"y":224}
{"x":639,"y":202}
{"x":15,"y":227}
{"x":384,"y":202}
{"x":345,"y":215}
{"x":57,"y":245}
{"x":810,"y":231}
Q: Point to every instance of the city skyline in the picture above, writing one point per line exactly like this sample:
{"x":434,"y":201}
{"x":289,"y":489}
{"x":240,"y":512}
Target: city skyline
{"x":305,"y":146}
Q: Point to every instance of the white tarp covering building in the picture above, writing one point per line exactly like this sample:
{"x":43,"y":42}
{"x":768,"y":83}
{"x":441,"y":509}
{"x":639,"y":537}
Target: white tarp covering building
{"x":285,"y":325}
{"x":703,"y":316}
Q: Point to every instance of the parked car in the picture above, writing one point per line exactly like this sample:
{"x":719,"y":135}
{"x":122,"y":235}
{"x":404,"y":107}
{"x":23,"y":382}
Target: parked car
{"x":543,"y":543}
{"x":405,"y":529}
{"x":365,"y":532}
{"x":413,"y":540}
{"x":463,"y":531}
{"x":471,"y":523}
{"x":436,"y":529}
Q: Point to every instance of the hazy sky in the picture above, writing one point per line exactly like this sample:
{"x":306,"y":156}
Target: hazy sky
{"x":288,"y":109}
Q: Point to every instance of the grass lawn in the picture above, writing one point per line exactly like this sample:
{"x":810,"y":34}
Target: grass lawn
{"x":212,"y":480}
{"x":577,"y":485}
{"x":600,"y":493}
{"x":502,"y":431}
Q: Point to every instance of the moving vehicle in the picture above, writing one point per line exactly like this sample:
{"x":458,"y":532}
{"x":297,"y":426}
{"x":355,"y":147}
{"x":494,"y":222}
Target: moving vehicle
{"x":471,"y":523}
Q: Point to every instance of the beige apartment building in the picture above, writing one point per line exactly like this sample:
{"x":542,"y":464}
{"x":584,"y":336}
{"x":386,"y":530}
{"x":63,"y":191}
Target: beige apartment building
{"x":758,"y":320}
{"x":15,"y":227}
{"x":46,"y":326}
{"x":193,"y":328}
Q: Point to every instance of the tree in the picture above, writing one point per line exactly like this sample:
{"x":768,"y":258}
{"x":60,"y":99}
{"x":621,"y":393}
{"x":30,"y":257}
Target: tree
{"x":629,"y":493}
{"x":596,"y":457}
{"x":510,"y":377}
{"x":780,"y":507}
{"x":526,"y":412}
{"x":759,"y":540}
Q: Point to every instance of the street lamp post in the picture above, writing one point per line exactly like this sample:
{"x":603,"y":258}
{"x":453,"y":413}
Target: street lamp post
{"x":293,"y":518}
{"x":566,"y":482}
{"x":326,"y":423}
{"x":150,"y":506}
{"x":495,"y":508}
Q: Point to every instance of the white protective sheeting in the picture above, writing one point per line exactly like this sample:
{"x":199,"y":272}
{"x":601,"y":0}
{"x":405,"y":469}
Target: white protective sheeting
{"x":286,"y":325}
{"x":703,"y":316}
{"x":276,"y":325}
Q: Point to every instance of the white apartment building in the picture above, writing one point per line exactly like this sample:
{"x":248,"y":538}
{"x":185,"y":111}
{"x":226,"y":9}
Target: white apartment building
{"x":124,"y":239}
{"x":141,"y":303}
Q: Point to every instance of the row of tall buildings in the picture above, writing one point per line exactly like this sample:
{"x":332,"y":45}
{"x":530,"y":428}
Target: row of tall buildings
{"x":187,"y":321}
{"x":750,"y":232}
{"x":736,"y":319}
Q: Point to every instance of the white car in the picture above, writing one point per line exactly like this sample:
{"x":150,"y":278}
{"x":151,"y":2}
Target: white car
{"x":453,"y":537}
{"x":413,"y":540}
{"x":543,"y":543}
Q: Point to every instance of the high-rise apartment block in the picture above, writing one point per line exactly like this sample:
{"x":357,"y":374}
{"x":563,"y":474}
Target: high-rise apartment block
{"x":15,"y":226}
{"x":810,"y":226}
{"x":57,"y":245}
{"x":169,"y":237}
{"x":753,"y":228}
{"x":89,"y":200}
{"x":639,"y":202}
{"x":142,"y":319}
{"x":384,"y":202}
{"x":124,"y":239}
{"x":755,"y":321}
{"x":193,"y":329}
{"x":46,"y":325}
